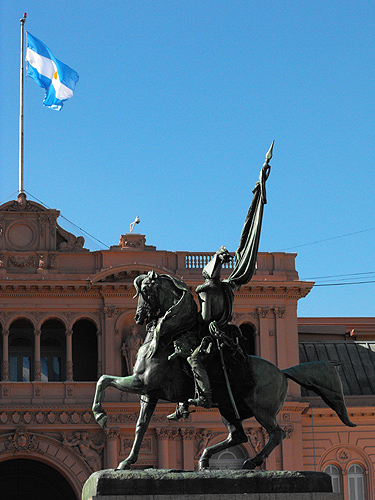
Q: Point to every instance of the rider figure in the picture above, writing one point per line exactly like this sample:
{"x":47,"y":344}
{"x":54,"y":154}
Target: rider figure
{"x":216,"y":303}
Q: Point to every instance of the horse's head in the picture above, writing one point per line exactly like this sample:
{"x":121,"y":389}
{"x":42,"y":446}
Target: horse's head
{"x":146,"y":287}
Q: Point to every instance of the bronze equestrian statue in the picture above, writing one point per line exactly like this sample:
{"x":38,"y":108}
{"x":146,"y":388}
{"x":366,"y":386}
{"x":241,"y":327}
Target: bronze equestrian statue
{"x":193,"y":357}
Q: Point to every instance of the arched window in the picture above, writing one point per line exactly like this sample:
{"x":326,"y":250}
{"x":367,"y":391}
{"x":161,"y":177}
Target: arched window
{"x":248,"y":338}
{"x":21,"y":351}
{"x":52,"y":351}
{"x":232,"y":458}
{"x":85,"y":351}
{"x":356,"y":482}
{"x":334,"y":472}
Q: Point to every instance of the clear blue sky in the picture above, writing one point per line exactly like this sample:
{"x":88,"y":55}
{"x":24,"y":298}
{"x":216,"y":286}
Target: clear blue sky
{"x":177,"y":104}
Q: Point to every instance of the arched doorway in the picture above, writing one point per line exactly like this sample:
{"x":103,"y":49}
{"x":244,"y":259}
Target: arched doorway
{"x":23,"y":478}
{"x":231,"y":458}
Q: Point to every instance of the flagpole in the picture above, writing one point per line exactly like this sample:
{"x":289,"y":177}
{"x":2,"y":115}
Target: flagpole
{"x":22,"y":72}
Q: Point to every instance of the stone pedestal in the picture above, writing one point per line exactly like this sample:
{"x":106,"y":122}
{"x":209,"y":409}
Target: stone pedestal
{"x":165,"y":484}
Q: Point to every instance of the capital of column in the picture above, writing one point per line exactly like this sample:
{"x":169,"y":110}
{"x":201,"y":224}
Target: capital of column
{"x":68,"y":333}
{"x":111,"y":434}
{"x":280,"y":312}
{"x":110,"y":311}
{"x":187,"y":433}
{"x":263,"y":312}
{"x":37,"y":332}
{"x":289,"y":431}
{"x":163,"y":433}
{"x":6,"y":332}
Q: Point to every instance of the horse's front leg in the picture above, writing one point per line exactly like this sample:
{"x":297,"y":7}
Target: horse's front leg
{"x":148,"y":406}
{"x":97,"y":408}
{"x":127,"y":384}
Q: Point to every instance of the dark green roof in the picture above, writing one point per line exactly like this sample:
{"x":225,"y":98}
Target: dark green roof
{"x":355,"y":360}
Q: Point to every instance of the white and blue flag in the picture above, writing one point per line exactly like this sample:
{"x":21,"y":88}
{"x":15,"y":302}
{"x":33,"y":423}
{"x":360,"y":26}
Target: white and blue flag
{"x":49,"y":73}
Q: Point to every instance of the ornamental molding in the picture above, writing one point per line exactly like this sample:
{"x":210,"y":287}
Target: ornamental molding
{"x":47,"y":290}
{"x":22,"y":262}
{"x":122,"y":418}
{"x":127,"y":443}
{"x":343,"y":455}
{"x":43,"y":417}
{"x":21,"y":441}
{"x":280,"y":291}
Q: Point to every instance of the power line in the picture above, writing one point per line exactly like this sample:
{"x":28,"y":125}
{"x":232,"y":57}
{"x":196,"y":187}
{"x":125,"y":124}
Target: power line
{"x":338,"y":275}
{"x":344,"y":284}
{"x":329,"y":239}
{"x":75,"y":225}
{"x":7,"y":198}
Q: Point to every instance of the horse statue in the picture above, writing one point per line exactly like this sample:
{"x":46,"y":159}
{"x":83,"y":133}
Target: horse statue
{"x":160,"y":375}
{"x":192,"y":357}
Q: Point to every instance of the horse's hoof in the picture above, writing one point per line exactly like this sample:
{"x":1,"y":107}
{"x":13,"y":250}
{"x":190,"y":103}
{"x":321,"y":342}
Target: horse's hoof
{"x":123,"y":465}
{"x":249,"y":465}
{"x":101,"y":418}
{"x":203,"y":464}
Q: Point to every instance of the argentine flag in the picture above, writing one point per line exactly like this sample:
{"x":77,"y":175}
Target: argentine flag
{"x":56,"y":77}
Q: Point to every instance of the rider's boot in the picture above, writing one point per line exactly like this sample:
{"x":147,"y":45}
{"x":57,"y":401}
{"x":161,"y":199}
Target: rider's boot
{"x":182,"y":411}
{"x":203,"y":399}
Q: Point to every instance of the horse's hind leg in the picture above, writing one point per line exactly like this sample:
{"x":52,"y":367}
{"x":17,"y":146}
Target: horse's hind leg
{"x":148,"y":406}
{"x":236,"y":436}
{"x":276,"y":435}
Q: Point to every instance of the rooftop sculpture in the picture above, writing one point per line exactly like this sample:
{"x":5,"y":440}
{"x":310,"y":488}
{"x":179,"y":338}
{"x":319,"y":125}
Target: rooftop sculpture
{"x":191,"y":356}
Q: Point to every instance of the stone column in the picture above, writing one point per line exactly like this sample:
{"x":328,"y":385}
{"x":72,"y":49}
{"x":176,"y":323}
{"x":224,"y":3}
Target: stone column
{"x":287,"y":447}
{"x":111,"y":447}
{"x":5,"y":354}
{"x":37,"y":363}
{"x":174,"y":437}
{"x":344,"y":485}
{"x":100,"y":353}
{"x":264,"y":335}
{"x":188,"y":436}
{"x":69,"y":355}
{"x":281,"y":346}
{"x":163,"y":445}
{"x":110,"y":313}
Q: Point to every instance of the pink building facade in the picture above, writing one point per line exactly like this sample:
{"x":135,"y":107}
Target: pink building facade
{"x":66,"y":317}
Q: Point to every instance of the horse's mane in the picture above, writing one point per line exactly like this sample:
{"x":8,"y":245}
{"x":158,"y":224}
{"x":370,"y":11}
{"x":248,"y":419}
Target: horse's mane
{"x":180,"y":317}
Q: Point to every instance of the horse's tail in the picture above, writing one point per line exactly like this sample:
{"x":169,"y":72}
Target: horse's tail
{"x":322,"y":378}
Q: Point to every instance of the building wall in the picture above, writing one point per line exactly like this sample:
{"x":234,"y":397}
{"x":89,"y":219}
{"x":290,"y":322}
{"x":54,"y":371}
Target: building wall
{"x":48,"y":278}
